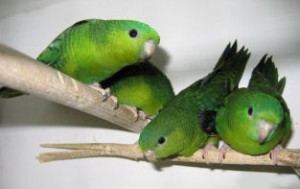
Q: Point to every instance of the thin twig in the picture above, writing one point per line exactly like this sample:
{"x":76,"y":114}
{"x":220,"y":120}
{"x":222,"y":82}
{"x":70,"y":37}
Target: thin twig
{"x":91,"y":150}
{"x":23,"y":73}
{"x":288,"y":158}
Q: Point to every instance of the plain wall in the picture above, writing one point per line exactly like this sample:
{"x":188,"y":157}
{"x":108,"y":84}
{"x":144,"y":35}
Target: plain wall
{"x":193,"y":36}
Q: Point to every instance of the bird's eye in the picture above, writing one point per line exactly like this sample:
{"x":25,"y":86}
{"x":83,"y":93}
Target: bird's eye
{"x":250,"y":111}
{"x":161,"y":140}
{"x":133,"y":33}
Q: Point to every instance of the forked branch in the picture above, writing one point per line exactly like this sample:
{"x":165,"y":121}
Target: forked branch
{"x":23,"y":73}
{"x":289,"y":158}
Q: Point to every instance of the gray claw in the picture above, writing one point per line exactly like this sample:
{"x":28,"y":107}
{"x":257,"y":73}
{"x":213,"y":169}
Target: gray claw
{"x":206,"y":149}
{"x":105,"y":92}
{"x":115,"y":100}
{"x":223,"y":150}
{"x":274,"y":154}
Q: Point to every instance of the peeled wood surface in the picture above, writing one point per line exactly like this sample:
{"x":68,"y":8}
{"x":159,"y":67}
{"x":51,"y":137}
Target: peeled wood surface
{"x":286,"y":157}
{"x":25,"y":74}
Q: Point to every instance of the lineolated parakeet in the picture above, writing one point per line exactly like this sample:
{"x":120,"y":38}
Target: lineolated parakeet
{"x":254,"y":120}
{"x":93,"y":50}
{"x":141,"y":85}
{"x":179,"y":127}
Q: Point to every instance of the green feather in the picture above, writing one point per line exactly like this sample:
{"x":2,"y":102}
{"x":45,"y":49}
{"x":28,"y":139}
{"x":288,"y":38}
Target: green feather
{"x":214,"y":86}
{"x":93,"y":50}
{"x":254,"y":120}
{"x":178,"y":130}
{"x":141,"y":85}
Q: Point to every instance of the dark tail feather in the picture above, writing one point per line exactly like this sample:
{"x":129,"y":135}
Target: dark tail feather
{"x":266,"y":74}
{"x":9,"y":93}
{"x":231,"y":66}
{"x":233,"y":61}
{"x":230,"y":54}
{"x":266,"y":71}
{"x":280,"y":85}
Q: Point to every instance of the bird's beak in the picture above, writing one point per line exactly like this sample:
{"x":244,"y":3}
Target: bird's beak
{"x":264,"y":130}
{"x":150,"y":155}
{"x":149,"y":49}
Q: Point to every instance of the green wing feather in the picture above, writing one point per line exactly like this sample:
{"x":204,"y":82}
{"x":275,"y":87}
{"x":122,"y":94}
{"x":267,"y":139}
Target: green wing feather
{"x":50,"y":56}
{"x":181,"y":121}
{"x":208,"y":92}
{"x":93,"y":50}
{"x":143,"y":86}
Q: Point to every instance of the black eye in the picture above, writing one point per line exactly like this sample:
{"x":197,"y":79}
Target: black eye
{"x":133,"y":33}
{"x":161,"y":140}
{"x":250,"y":111}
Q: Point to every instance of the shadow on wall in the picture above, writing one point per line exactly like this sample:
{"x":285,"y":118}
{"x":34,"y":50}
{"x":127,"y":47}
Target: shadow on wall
{"x":160,"y":59}
{"x":33,"y":111}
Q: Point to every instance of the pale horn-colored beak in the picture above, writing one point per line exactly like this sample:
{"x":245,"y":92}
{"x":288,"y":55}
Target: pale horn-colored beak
{"x":264,"y":130}
{"x":150,"y":156}
{"x":149,"y":49}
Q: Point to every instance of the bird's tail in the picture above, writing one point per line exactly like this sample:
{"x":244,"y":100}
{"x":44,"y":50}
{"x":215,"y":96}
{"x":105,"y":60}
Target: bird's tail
{"x":265,"y":74}
{"x":9,"y":93}
{"x":232,"y":63}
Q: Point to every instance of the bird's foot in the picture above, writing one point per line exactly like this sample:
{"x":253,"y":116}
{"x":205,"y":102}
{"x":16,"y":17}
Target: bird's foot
{"x":105,"y":92}
{"x":142,"y":115}
{"x":115,"y":101}
{"x":222,"y":152}
{"x":137,"y":113}
{"x":273,"y":154}
{"x":134,"y":111}
{"x":206,"y":149}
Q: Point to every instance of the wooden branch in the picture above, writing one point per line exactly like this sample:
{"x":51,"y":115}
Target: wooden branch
{"x":25,"y":74}
{"x":130,"y":151}
{"x":287,"y":158}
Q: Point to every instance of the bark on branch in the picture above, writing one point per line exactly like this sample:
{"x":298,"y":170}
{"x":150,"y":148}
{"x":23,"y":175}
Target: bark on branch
{"x":285,"y":157}
{"x":25,"y":74}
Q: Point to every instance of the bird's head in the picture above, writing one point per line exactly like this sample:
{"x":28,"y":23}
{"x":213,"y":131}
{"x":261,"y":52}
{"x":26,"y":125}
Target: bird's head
{"x":258,"y":115}
{"x":168,"y":134}
{"x":132,"y":41}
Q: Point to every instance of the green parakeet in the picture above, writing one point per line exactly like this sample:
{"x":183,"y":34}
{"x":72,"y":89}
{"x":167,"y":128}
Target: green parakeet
{"x":179,"y":129}
{"x":254,"y":120}
{"x":141,"y":85}
{"x":93,"y":50}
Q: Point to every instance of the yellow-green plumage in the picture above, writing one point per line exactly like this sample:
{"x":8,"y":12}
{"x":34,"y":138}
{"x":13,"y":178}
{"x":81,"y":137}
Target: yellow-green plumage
{"x":141,"y":85}
{"x":93,"y":50}
{"x":179,"y":129}
{"x":254,"y":120}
